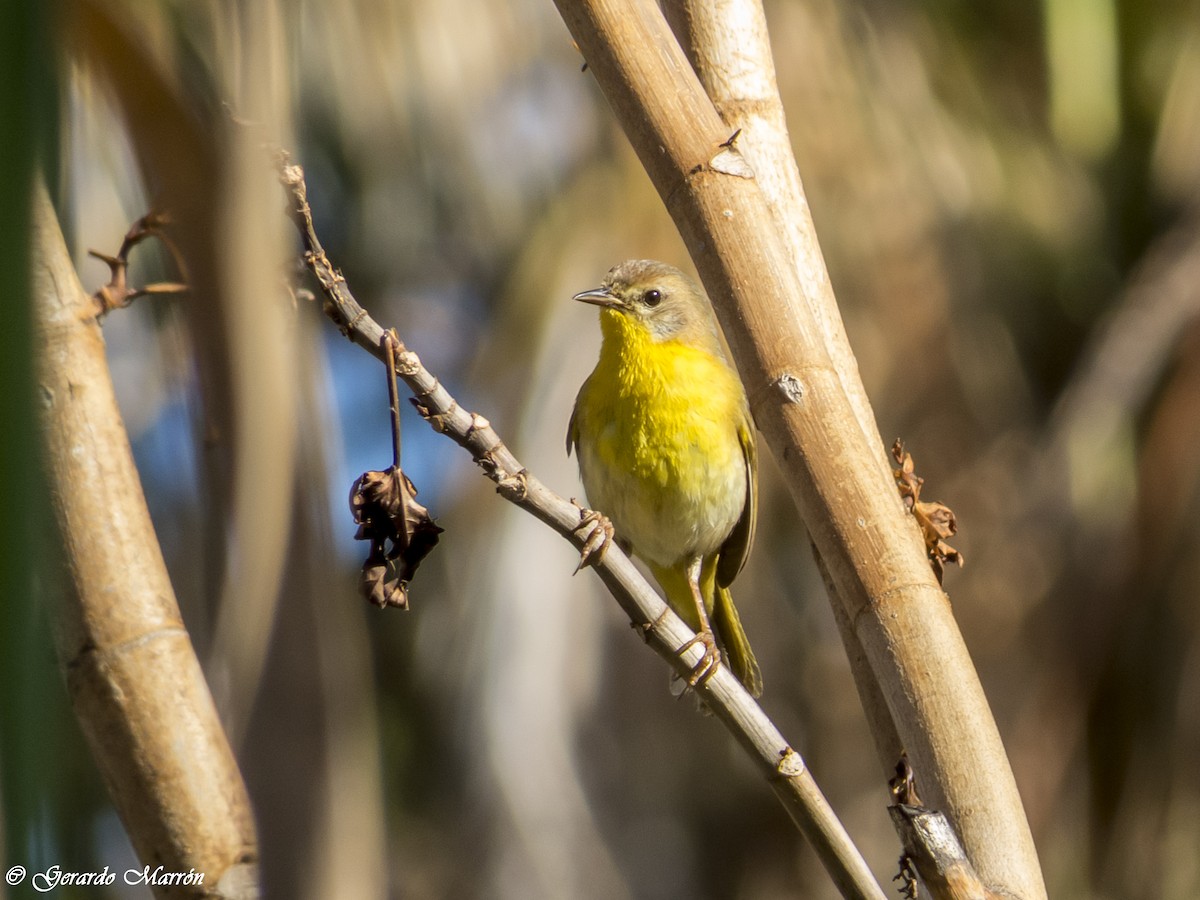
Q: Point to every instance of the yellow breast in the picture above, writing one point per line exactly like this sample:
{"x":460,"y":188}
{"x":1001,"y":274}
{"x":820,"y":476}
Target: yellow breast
{"x":656,"y":425}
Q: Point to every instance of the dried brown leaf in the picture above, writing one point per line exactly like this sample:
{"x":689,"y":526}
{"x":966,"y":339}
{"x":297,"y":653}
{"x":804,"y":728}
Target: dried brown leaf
{"x":381,"y":588}
{"x":904,"y":784}
{"x":401,"y":532}
{"x":937,"y":520}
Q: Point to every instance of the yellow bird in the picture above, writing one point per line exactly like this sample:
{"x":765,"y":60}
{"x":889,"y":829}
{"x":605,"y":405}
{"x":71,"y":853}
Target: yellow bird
{"x":666,"y":450}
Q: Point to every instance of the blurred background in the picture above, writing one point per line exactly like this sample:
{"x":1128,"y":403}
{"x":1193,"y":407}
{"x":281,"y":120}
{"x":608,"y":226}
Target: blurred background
{"x":1007,"y":198}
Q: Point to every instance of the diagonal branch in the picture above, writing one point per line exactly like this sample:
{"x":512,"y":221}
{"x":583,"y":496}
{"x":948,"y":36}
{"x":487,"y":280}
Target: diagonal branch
{"x":665,"y":632}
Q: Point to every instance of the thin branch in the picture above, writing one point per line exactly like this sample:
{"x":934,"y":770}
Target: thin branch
{"x":117,"y":294}
{"x":130,"y":668}
{"x":391,"y":342}
{"x":662,"y":629}
{"x":1125,"y":357}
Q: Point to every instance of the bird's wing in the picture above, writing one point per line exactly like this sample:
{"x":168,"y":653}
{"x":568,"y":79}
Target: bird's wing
{"x":573,"y":427}
{"x":736,"y":548}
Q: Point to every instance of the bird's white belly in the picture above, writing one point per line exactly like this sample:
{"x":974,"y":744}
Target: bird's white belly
{"x":677,"y":503}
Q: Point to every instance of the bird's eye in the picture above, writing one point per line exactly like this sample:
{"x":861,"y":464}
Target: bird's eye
{"x":652,"y":298}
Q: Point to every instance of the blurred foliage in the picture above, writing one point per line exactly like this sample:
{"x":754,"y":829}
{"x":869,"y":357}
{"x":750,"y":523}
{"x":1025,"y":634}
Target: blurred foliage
{"x":1006,"y":196}
{"x":39,"y":772}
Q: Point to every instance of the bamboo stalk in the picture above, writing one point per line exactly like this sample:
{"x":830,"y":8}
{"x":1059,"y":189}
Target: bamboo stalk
{"x":133,"y":677}
{"x":730,"y":50}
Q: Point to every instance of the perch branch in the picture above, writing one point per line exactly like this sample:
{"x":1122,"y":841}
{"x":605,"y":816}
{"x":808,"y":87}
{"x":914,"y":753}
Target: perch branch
{"x":665,"y":632}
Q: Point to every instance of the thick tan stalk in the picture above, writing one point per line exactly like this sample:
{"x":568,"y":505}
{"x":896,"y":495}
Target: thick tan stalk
{"x":133,"y":677}
{"x":730,"y":50}
{"x":837,"y":476}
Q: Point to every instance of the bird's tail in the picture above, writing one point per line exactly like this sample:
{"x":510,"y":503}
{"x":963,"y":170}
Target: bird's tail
{"x":721,"y":612}
{"x":728,"y":626}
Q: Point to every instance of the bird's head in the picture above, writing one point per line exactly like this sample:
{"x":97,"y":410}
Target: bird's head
{"x":658,"y":298}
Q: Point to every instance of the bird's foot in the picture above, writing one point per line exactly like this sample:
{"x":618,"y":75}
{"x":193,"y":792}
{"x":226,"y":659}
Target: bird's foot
{"x":708,"y":664}
{"x":596,"y":533}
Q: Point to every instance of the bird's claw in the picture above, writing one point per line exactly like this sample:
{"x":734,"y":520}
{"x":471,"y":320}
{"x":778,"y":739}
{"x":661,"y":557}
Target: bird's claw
{"x":596,"y":533}
{"x":708,"y":664}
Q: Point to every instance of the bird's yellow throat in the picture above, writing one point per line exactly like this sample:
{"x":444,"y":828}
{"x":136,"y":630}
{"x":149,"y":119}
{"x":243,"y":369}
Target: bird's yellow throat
{"x":681,"y":386}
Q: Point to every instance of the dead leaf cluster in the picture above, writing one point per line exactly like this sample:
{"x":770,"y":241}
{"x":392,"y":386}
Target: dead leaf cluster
{"x":401,"y":532}
{"x":936,"y":519}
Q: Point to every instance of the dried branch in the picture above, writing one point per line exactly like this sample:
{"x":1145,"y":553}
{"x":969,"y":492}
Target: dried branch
{"x":117,"y":294}
{"x":832,"y":460}
{"x":665,"y":632}
{"x":131,"y":672}
{"x":931,"y":848}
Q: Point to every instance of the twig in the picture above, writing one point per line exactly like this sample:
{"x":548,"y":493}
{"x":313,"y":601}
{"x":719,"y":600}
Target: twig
{"x":117,"y":294}
{"x":391,"y":341}
{"x":663,"y":630}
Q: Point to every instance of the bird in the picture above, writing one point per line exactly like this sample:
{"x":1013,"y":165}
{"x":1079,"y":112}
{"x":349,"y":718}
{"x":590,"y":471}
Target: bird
{"x":665,"y":443}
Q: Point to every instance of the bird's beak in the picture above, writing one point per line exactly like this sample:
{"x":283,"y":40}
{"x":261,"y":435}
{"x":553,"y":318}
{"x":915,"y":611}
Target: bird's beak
{"x":597,"y":297}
